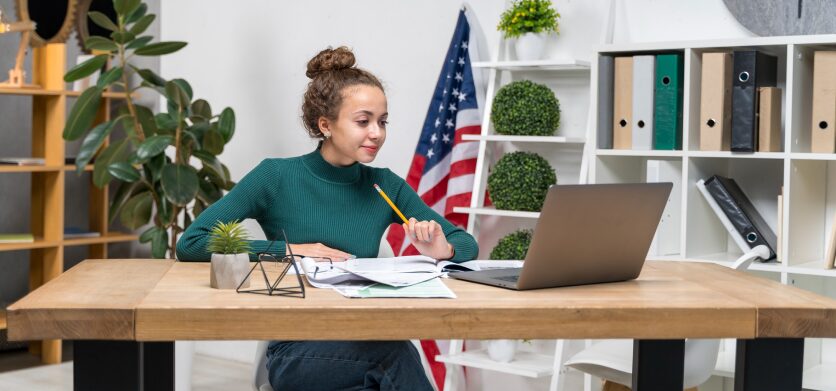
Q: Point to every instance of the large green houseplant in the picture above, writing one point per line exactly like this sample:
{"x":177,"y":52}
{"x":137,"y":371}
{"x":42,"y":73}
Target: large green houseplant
{"x":154,"y":161}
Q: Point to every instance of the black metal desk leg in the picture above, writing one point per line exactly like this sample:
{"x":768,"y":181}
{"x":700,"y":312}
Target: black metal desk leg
{"x":123,"y":365}
{"x":658,"y":365}
{"x":769,"y":364}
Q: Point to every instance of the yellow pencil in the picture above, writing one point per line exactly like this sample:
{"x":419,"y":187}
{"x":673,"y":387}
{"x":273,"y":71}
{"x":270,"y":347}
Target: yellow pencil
{"x":395,"y":208}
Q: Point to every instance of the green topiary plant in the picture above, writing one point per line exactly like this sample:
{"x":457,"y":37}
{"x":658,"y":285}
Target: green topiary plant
{"x":528,"y":16}
{"x":228,"y":238}
{"x":167,"y":164}
{"x":513,"y":245}
{"x":520,"y":180}
{"x":525,"y":108}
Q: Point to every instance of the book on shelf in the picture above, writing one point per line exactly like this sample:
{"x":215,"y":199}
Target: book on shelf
{"x":17,"y":238}
{"x":76,"y":232}
{"x":830,"y":255}
{"x":22,"y":161}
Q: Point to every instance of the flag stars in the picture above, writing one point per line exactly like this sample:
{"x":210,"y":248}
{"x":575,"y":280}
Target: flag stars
{"x":459,"y":76}
{"x":452,"y":107}
{"x":448,"y":75}
{"x":430,"y":153}
{"x":461,"y":60}
{"x":440,"y":106}
{"x":449,"y":123}
{"x":455,"y":92}
{"x":464,"y":45}
{"x":462,"y":96}
{"x":446,"y":138}
{"x":444,"y":92}
{"x":437,"y":122}
{"x":434,"y":138}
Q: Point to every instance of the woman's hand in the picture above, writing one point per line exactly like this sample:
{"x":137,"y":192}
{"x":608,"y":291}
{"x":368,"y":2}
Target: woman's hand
{"x":428,"y":238}
{"x":318,"y":250}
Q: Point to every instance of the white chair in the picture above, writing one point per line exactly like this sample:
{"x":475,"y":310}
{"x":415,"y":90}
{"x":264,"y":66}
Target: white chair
{"x":612,"y":360}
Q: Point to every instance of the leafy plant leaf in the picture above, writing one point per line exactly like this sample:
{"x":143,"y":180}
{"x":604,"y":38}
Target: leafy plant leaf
{"x":122,"y":37}
{"x":123,"y":171}
{"x":125,"y":7}
{"x":159,"y":244}
{"x":176,"y":94}
{"x":160,"y":48}
{"x":137,"y":13}
{"x":137,"y":211}
{"x":226,"y":124}
{"x":180,"y":183}
{"x":210,"y":162}
{"x":139,"y":42}
{"x":150,"y":77}
{"x":186,"y":87}
{"x":114,"y":152}
{"x":92,"y":143}
{"x":146,"y":235}
{"x":213,"y":142}
{"x":108,"y":77}
{"x":86,"y":68}
{"x":155,"y":166}
{"x":142,"y":24}
{"x":123,"y":193}
{"x":82,"y":114}
{"x":165,"y":122}
{"x":102,"y":20}
{"x":153,"y":146}
{"x":202,"y":109}
{"x":96,"y":42}
{"x":146,"y":120}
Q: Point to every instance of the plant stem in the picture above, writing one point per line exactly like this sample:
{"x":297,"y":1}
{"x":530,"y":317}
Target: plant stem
{"x":137,"y":127}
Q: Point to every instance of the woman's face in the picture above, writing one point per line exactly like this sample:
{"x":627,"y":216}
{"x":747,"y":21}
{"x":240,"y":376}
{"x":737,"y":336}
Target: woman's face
{"x":360,"y":129}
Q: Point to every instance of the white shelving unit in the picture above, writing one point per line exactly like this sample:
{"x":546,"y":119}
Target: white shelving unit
{"x":808,"y":180}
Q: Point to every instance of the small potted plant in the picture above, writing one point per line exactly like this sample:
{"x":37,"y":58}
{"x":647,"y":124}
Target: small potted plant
{"x":529,"y":21}
{"x":525,"y":108}
{"x":513,"y":246}
{"x":230,"y":248}
{"x":520,"y":181}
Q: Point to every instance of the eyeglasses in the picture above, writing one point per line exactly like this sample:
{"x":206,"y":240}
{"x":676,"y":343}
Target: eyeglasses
{"x":283,"y":265}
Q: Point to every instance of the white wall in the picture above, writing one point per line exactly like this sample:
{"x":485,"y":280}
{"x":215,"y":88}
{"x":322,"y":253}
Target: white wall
{"x":252,"y":55}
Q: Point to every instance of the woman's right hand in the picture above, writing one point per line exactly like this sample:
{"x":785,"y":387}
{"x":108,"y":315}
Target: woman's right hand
{"x":318,"y":250}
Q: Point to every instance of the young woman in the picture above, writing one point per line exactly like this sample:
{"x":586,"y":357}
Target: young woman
{"x":327,"y":205}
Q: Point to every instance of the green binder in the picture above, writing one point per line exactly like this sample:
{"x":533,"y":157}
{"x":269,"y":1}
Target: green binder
{"x":668,"y":102}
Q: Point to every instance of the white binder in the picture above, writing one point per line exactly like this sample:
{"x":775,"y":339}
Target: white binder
{"x":644,"y":70}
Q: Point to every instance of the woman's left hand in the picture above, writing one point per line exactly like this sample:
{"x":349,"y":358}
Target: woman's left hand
{"x":428,"y":238}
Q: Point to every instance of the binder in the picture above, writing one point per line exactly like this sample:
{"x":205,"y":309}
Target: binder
{"x":667,"y":110}
{"x":823,"y":138}
{"x":769,"y":119}
{"x":666,"y":239}
{"x":742,"y":214}
{"x":623,"y":103}
{"x":644,"y":71}
{"x":606,"y":66}
{"x":752,"y":69}
{"x":738,"y":240}
{"x":715,"y":102}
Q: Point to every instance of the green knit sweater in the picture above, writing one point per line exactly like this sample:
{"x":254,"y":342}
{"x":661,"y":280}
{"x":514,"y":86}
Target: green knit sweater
{"x":315,"y":202}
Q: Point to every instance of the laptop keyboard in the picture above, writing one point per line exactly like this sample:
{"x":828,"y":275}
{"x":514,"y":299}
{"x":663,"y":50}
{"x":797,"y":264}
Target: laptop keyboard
{"x":511,"y":278}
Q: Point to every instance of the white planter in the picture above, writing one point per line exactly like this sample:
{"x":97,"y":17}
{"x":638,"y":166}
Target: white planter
{"x":530,"y":46}
{"x":228,"y":270}
{"x":502,"y":350}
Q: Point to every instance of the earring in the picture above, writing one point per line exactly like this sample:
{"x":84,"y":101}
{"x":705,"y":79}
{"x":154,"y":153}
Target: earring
{"x":326,"y":134}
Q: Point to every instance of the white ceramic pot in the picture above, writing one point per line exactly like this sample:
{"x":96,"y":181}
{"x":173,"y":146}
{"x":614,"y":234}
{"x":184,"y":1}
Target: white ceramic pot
{"x":502,"y":350}
{"x":530,"y":46}
{"x":228,"y":270}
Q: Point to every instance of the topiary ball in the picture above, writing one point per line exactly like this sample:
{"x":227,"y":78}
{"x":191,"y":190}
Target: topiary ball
{"x":520,"y":180}
{"x":513,"y":245}
{"x":525,"y":108}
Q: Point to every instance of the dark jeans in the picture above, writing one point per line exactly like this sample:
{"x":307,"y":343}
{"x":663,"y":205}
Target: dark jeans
{"x":345,"y":365}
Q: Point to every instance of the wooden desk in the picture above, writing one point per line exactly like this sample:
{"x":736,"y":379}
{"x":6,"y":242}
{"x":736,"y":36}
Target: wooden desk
{"x":134,"y":308}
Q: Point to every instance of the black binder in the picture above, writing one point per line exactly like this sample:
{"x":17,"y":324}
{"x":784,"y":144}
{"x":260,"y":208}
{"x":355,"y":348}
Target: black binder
{"x":742,"y":214}
{"x":752,"y":69}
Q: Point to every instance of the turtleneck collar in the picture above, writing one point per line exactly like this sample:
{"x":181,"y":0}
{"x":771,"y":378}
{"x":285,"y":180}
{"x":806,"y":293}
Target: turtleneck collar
{"x":320,"y":168}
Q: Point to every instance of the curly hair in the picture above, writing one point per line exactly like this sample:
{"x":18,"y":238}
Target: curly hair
{"x":331,"y":71}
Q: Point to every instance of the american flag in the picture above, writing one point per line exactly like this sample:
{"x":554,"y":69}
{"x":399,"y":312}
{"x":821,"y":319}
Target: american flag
{"x":443,"y":167}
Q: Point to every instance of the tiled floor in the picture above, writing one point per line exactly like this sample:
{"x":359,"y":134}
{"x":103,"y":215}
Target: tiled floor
{"x":209,"y":374}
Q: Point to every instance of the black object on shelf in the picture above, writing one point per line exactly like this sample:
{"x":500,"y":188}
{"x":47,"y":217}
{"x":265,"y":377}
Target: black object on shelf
{"x":742,"y":214}
{"x":752,"y":69}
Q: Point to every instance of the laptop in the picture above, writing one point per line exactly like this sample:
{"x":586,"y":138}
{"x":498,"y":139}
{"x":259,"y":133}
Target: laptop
{"x":586,"y":234}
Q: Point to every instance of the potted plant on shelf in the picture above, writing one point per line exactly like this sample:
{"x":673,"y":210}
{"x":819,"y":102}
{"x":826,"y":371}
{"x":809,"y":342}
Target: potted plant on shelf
{"x":513,"y":246}
{"x":160,"y":182}
{"x":529,"y":21}
{"x":230,"y":248}
{"x":525,"y":108}
{"x":520,"y":181}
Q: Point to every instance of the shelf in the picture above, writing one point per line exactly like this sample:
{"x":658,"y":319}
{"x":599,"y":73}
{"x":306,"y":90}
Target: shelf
{"x":68,"y":167}
{"x":524,"y":363}
{"x":539,"y":65}
{"x":112,"y":237}
{"x":530,"y":139}
{"x":640,"y":153}
{"x":44,"y":92}
{"x":737,"y":155}
{"x":38,"y":243}
{"x":812,"y":156}
{"x":820,"y":377}
{"x":496,"y":212}
{"x":814,"y":268}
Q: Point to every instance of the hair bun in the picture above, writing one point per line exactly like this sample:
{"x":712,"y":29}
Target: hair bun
{"x":330,"y":60}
